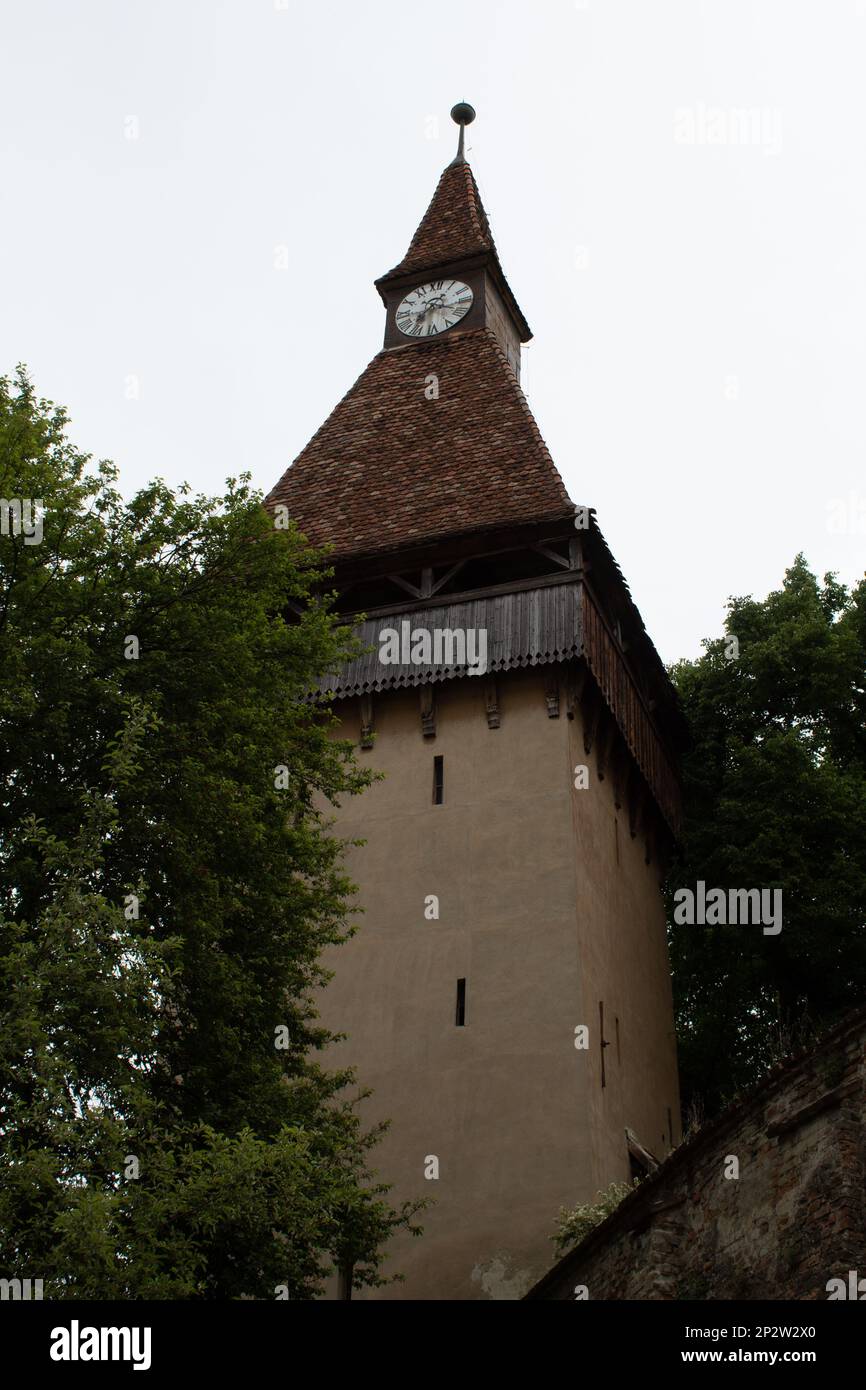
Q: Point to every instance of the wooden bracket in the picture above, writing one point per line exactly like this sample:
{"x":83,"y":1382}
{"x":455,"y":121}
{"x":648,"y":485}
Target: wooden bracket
{"x":440,"y":583}
{"x":552,"y":555}
{"x":404,"y":584}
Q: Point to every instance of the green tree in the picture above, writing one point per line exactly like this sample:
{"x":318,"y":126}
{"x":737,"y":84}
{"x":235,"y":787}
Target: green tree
{"x":168,"y":882}
{"x":775,"y":797}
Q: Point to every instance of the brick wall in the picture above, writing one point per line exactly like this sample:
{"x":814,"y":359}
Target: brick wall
{"x":794,"y":1218}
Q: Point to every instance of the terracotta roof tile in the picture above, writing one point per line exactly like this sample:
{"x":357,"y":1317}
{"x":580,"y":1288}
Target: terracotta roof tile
{"x":454,"y":225}
{"x":390,"y":467}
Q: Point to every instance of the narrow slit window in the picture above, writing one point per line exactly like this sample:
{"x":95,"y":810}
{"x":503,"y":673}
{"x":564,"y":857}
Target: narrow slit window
{"x":604,"y":1043}
{"x":438,"y":780}
{"x":460,"y":1017}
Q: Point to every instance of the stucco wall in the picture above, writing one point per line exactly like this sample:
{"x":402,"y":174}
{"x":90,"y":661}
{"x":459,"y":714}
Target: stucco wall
{"x":537,"y":916}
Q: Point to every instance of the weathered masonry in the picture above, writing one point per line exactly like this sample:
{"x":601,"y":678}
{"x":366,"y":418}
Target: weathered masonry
{"x":785,"y":1221}
{"x":510,"y":877}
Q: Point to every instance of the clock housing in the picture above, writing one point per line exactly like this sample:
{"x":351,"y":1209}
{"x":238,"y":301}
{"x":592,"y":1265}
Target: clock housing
{"x":488,"y":308}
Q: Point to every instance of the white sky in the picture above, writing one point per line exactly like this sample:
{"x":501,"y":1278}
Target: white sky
{"x":696,"y":286}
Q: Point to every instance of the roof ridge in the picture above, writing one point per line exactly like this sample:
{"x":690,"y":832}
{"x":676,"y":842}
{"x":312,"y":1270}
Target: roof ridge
{"x":524,"y":405}
{"x":477,"y":210}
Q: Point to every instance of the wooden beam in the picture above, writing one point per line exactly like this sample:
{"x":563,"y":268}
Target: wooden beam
{"x":542,"y":581}
{"x":449,"y":574}
{"x":552,"y":555}
{"x":404,"y":584}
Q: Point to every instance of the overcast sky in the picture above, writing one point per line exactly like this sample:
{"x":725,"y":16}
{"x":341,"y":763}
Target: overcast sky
{"x":677,"y":191}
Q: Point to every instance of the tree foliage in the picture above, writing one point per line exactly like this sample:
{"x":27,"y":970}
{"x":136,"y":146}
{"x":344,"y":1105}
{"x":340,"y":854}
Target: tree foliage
{"x":575,"y":1223}
{"x":775,"y":797}
{"x":166,"y":894}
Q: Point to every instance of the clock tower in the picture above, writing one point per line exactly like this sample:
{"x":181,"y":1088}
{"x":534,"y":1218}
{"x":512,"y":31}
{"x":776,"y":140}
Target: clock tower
{"x":507,"y":996}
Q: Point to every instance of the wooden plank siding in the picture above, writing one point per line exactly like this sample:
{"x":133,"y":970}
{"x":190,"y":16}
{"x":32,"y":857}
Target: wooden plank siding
{"x":627,"y":705}
{"x":535,"y":627}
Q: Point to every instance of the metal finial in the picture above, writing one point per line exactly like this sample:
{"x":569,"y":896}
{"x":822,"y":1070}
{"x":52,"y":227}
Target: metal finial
{"x":463,"y":114}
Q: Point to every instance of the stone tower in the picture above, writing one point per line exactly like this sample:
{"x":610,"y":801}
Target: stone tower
{"x":507,"y":996}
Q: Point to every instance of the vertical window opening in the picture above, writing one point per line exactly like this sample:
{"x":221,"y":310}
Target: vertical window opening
{"x":460,"y":1018}
{"x":438,"y":780}
{"x":603,"y":1043}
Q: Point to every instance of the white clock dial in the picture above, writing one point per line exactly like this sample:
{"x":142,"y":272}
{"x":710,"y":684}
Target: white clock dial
{"x":432,"y":308}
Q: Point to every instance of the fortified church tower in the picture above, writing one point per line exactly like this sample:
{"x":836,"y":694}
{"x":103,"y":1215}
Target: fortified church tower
{"x":507,"y":996}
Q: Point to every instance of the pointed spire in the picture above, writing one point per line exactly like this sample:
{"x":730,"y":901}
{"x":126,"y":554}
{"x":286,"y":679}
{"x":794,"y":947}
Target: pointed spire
{"x":455,"y":224}
{"x":455,"y":228}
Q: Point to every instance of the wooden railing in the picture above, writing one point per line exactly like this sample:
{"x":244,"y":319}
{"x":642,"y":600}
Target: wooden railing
{"x":626,"y":704}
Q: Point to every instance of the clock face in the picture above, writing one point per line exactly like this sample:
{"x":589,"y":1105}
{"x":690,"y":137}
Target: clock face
{"x":432,"y":308}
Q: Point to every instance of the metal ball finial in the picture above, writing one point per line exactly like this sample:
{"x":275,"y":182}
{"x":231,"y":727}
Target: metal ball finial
{"x":463,"y":114}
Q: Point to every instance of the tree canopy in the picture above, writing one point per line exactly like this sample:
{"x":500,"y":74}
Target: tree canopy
{"x":168,"y":881}
{"x":774,"y":797}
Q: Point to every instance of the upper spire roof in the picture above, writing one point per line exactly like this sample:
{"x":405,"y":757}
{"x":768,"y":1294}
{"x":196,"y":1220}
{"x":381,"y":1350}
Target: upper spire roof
{"x":455,"y":227}
{"x":455,"y":224}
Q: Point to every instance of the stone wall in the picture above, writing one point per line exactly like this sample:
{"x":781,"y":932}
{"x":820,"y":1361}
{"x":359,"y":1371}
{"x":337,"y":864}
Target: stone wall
{"x":793,"y":1219}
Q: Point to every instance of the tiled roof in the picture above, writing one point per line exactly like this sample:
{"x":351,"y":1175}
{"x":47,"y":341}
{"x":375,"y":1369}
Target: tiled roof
{"x":390,"y":468}
{"x":454,"y":225}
